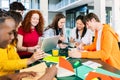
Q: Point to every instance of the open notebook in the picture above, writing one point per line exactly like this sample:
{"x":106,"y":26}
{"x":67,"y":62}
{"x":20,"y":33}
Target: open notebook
{"x":39,"y":69}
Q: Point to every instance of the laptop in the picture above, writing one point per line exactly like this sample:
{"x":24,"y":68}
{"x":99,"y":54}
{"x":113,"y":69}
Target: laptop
{"x":49,"y":43}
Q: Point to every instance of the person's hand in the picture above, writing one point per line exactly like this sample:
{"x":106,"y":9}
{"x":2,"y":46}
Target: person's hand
{"x":49,"y":74}
{"x":33,"y":49}
{"x":62,"y":38}
{"x":74,"y":53}
{"x":81,"y":46}
{"x":39,"y":54}
{"x":37,"y":47}
{"x":72,"y":40}
{"x":19,"y":76}
{"x":52,"y":71}
{"x":77,"y":44}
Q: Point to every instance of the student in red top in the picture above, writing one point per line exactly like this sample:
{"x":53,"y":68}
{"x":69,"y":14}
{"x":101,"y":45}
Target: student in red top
{"x":29,"y":33}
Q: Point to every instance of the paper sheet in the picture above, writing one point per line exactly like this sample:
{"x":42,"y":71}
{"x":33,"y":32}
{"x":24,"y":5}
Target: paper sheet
{"x":64,"y":68}
{"x":39,"y":69}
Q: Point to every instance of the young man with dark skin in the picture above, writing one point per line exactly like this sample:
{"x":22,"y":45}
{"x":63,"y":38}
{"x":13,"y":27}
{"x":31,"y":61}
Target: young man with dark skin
{"x":7,"y":60}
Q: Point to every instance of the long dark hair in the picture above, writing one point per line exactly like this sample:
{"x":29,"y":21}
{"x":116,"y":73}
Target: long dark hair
{"x":82,"y":18}
{"x":54,"y":24}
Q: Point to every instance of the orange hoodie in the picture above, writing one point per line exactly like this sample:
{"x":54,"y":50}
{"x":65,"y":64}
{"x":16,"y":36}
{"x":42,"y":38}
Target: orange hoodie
{"x":109,"y":52}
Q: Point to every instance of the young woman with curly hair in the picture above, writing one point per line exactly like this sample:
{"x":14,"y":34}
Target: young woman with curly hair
{"x":29,"y":33}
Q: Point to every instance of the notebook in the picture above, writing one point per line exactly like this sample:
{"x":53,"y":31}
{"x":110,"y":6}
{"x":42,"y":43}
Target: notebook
{"x":39,"y":69}
{"x":49,"y":43}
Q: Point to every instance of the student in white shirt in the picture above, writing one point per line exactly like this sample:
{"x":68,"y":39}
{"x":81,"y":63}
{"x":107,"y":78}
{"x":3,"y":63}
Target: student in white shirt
{"x":80,"y":35}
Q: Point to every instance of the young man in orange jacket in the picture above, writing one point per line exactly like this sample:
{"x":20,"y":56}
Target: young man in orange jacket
{"x":105,"y":45}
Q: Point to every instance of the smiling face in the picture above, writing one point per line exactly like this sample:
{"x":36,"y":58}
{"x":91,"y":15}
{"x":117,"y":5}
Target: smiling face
{"x":6,"y":32}
{"x":79,"y":25}
{"x":35,"y":19}
{"x":61,"y":22}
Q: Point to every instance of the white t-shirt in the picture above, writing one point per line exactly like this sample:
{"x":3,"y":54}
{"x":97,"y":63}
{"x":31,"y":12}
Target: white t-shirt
{"x":98,"y":43}
{"x":86,"y":39}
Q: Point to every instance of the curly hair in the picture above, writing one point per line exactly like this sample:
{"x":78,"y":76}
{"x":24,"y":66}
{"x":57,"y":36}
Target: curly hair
{"x":26,"y":24}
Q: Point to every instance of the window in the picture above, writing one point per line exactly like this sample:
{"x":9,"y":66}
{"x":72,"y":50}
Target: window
{"x":73,"y":13}
{"x":5,"y":4}
{"x":29,"y":4}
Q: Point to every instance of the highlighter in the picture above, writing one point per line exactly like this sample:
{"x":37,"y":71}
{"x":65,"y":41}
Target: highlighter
{"x":76,"y":64}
